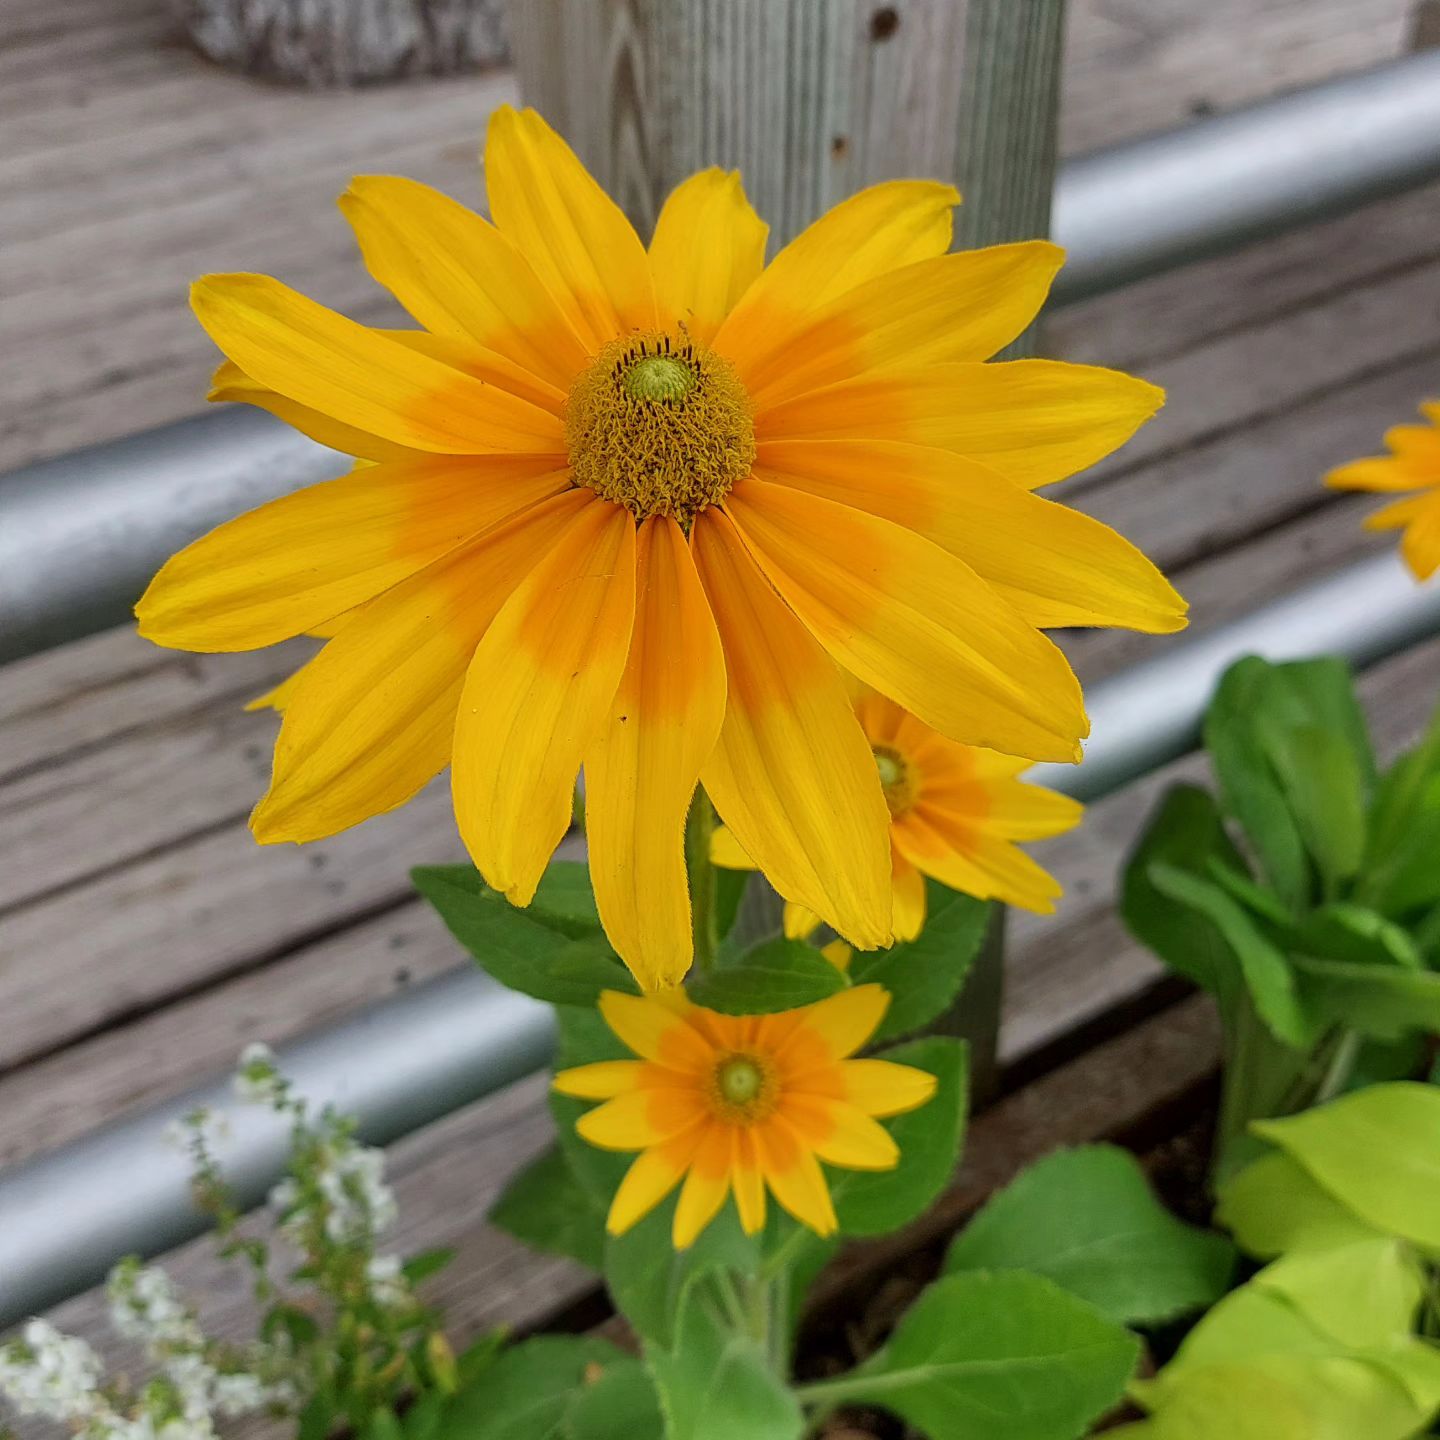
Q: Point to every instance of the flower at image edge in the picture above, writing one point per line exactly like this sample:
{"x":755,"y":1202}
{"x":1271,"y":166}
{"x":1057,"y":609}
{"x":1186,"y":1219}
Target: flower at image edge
{"x":626,"y":509}
{"x":742,"y":1104}
{"x":1413,"y":464}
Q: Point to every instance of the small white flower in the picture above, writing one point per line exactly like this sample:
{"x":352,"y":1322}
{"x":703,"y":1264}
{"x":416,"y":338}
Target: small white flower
{"x":388,"y":1287}
{"x":257,"y":1078}
{"x":50,"y":1374}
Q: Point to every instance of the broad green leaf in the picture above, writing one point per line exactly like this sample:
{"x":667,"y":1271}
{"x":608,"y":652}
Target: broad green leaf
{"x":925,"y":975}
{"x":547,"y":1208}
{"x":1087,"y":1220}
{"x":1184,"y":833}
{"x":1262,"y":964}
{"x":979,"y":1356}
{"x":648,"y":1278}
{"x":1405,"y":878}
{"x":871,"y":1202}
{"x":1273,"y":1207}
{"x":1376,"y":1152}
{"x":583,"y":1039}
{"x":778,"y":975}
{"x":621,"y":1404}
{"x":1354,"y":934}
{"x":541,"y":953}
{"x":1326,"y":791}
{"x":532,"y":1392}
{"x":564,"y":897}
{"x":1381,"y":1001}
{"x":730,"y":887}
{"x":716,"y":1383}
{"x":1404,"y":794}
{"x":1250,"y":893}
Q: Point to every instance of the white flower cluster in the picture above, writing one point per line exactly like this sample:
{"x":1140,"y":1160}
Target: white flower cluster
{"x":257,"y":1078}
{"x":355,"y":1202}
{"x":48,"y":1374}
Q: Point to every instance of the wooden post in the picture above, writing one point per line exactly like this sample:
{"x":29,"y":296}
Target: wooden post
{"x":810,"y":100}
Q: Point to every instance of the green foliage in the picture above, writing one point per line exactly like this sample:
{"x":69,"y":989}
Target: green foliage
{"x":546,"y":1207}
{"x":924,"y":975}
{"x":982,"y":1355}
{"x":777,"y":975}
{"x":554,"y":950}
{"x":1086,"y":1219}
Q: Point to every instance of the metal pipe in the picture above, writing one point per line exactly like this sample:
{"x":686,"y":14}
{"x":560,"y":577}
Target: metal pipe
{"x":81,"y":534}
{"x":67,"y":1216}
{"x":1155,"y":203}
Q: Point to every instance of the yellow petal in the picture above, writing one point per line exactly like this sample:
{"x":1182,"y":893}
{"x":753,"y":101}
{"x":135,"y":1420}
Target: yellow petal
{"x":791,"y":774}
{"x":641,"y":768}
{"x":748,"y":1182}
{"x":1399,"y":513}
{"x":372,"y":716}
{"x":914,"y":622}
{"x":708,"y":248}
{"x":705,"y":1186}
{"x":883,"y":228}
{"x":637,"y":1119}
{"x":1377,"y":472}
{"x":1056,"y":566}
{"x":1035,"y":421}
{"x":725,"y":851}
{"x":296,"y":562}
{"x":650,"y":1179}
{"x":1420,"y":545}
{"x":881,"y":1087}
{"x":964,"y":306}
{"x":909,"y":912}
{"x":361,"y":378}
{"x":1028,"y":812}
{"x":230,"y":383}
{"x":601,"y":1081}
{"x":536,"y":694}
{"x":458,"y":275}
{"x":839,"y":954}
{"x":794,"y":1176}
{"x":958,"y":855}
{"x":841,"y":1023}
{"x":575,"y":237}
{"x":840,"y":1134}
{"x":461,"y":353}
{"x":800,"y":923}
{"x":655,"y":1030}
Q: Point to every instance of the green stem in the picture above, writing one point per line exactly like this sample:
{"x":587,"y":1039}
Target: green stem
{"x":699,"y":827}
{"x":1342,"y":1064}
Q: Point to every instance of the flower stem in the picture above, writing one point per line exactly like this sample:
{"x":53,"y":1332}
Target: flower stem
{"x":699,"y":827}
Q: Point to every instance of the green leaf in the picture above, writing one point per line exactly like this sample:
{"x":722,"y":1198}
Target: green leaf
{"x":1405,"y":878}
{"x":1265,"y":903}
{"x":583,"y":1038}
{"x":541,"y":953}
{"x":1381,"y":1001}
{"x":1375,"y":1151}
{"x":924,"y":975}
{"x":427,"y":1263}
{"x":565,"y":899}
{"x":1087,"y":1220}
{"x":1355,"y":934}
{"x":985,"y":1355}
{"x":871,"y":1202}
{"x":1273,"y":1207}
{"x":778,"y":975}
{"x":1262,"y":965}
{"x":730,"y":887}
{"x":716,"y":1383}
{"x":543,"y":1389}
{"x":547,"y":1208}
{"x":1322,"y":781}
{"x":1405,"y":801}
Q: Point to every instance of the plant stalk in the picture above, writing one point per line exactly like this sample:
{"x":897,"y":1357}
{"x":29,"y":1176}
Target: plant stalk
{"x":699,"y":827}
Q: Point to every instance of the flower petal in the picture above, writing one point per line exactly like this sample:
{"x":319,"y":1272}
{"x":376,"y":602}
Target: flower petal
{"x":880,"y":229}
{"x":458,"y":275}
{"x":575,"y":237}
{"x":1420,"y":544}
{"x":642,"y":766}
{"x":650,"y":1179}
{"x":1015,"y":811}
{"x":1056,"y":566}
{"x":725,"y":851}
{"x":1399,"y":513}
{"x":370,"y":381}
{"x":791,"y":774}
{"x":536,"y":694}
{"x":840,"y":1134}
{"x":655,"y":1030}
{"x":291,"y":564}
{"x":1380,"y":473}
{"x":964,"y":306}
{"x":800,"y":923}
{"x":707,"y":250}
{"x":881,"y":1087}
{"x":602,"y":1081}
{"x":748,"y":1182}
{"x":637,"y":1119}
{"x":963,"y":856}
{"x":795,"y":1177}
{"x":840,"y":1024}
{"x":915,"y":622}
{"x":909,"y":914}
{"x":372,"y":716}
{"x":1035,"y":421}
{"x":705,"y":1186}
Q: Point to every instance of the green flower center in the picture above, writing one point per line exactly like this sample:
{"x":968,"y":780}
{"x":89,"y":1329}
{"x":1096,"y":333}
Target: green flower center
{"x":741,"y":1080}
{"x":897,"y":778}
{"x":658,"y":377}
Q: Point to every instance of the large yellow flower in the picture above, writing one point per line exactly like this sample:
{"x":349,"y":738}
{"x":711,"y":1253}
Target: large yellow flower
{"x":627,"y":511}
{"x":739,"y":1103}
{"x":956,"y":812}
{"x":1412,"y":464}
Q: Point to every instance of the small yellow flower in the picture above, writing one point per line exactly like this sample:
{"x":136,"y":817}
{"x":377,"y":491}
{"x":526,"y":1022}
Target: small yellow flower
{"x":1412,"y":464}
{"x":625,"y":510}
{"x":956,"y":812}
{"x":741,"y":1103}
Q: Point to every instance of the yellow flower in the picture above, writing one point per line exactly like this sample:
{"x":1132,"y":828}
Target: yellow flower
{"x":1412,"y":464}
{"x":741,"y":1103}
{"x":955,"y":814}
{"x":627,"y":509}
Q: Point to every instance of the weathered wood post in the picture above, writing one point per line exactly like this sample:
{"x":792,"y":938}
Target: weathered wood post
{"x":812,"y":99}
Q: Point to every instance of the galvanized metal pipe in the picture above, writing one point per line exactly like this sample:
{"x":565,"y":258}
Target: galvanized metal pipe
{"x":81,"y":534}
{"x":67,"y":1216}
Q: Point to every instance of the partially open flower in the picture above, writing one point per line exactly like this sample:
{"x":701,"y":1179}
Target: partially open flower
{"x":738,"y":1104}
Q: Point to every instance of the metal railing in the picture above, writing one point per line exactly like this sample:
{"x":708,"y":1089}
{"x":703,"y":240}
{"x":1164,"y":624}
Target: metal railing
{"x":81,"y":534}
